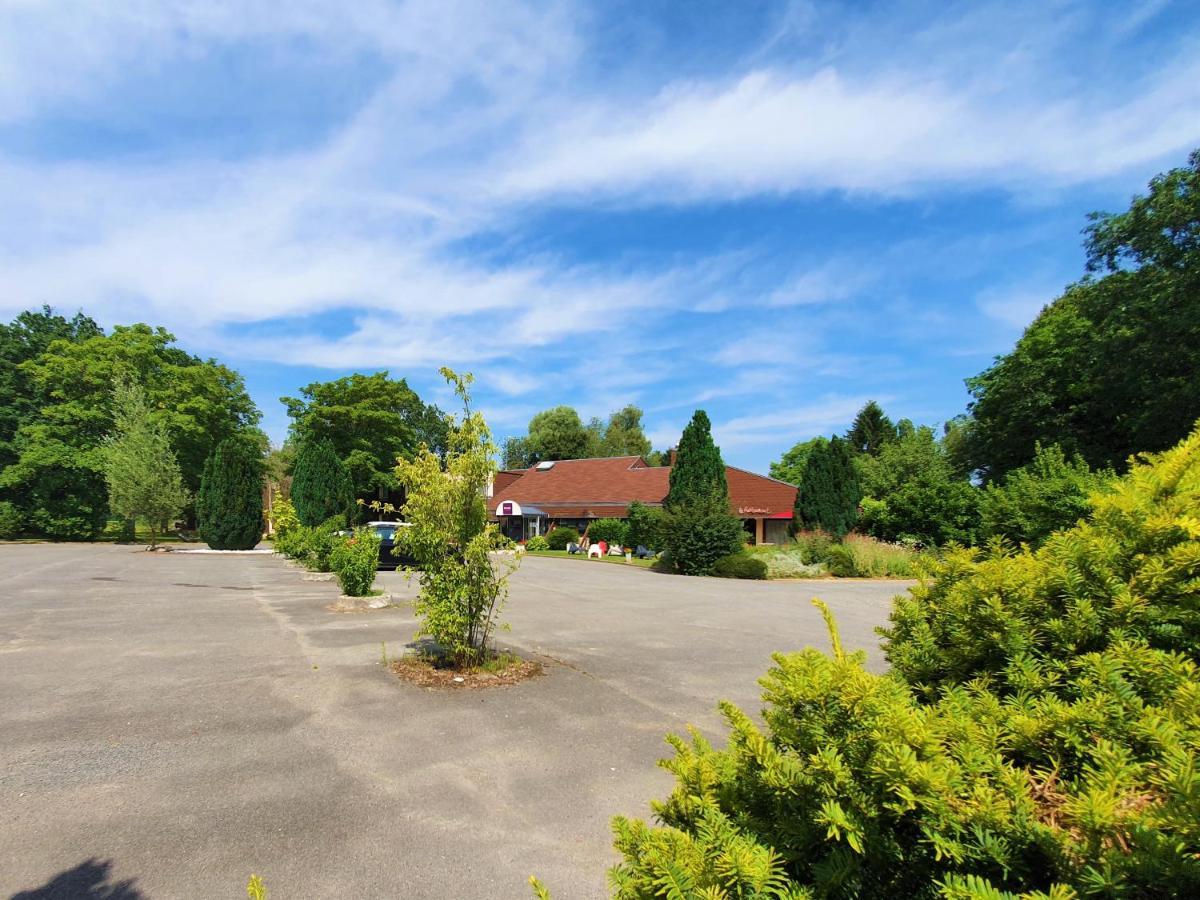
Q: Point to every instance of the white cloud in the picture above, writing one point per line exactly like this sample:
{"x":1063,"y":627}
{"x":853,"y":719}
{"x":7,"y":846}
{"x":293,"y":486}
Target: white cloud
{"x":781,"y":426}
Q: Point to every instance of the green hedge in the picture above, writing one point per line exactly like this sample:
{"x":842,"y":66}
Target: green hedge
{"x":560,"y":537}
{"x":611,"y":531}
{"x":740,"y":565}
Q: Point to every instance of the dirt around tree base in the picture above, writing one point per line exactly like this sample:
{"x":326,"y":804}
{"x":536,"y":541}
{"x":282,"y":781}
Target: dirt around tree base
{"x":421,"y":670}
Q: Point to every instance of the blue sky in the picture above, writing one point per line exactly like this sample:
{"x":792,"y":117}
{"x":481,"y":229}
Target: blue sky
{"x":774,"y":211}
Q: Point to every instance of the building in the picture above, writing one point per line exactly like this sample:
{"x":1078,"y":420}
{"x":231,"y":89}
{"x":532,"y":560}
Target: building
{"x":574,"y":492}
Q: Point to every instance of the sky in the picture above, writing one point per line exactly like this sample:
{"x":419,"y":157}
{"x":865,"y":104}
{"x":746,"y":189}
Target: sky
{"x":773,"y":211}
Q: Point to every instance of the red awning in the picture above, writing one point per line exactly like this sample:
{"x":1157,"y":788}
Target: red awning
{"x":782,"y":515}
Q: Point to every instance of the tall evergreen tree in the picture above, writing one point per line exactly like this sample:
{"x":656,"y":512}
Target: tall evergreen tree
{"x":829,"y":493}
{"x":229,"y":505}
{"x":699,"y":472}
{"x":321,"y":485}
{"x":140,"y":468}
{"x":871,"y":430}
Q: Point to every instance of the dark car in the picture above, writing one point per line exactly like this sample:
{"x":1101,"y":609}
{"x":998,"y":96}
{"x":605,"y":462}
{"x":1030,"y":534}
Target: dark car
{"x":387,"y":544}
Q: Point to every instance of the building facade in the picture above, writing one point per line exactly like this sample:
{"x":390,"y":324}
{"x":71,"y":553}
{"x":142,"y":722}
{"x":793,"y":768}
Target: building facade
{"x":576,"y":492}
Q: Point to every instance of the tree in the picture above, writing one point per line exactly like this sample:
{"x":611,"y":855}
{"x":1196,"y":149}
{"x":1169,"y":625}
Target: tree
{"x":790,"y":467}
{"x":828,"y":495}
{"x":229,"y":505}
{"x":370,"y":421}
{"x":1035,"y":738}
{"x":559,"y":433}
{"x":697,"y":526}
{"x":623,"y":435}
{"x":699,"y":472}
{"x":516,"y":454}
{"x":1050,"y":494}
{"x":321,"y":484}
{"x":58,"y":474}
{"x":871,"y":430}
{"x":1112,"y":367}
{"x":140,"y":469}
{"x":462,"y":591}
{"x":914,"y":494}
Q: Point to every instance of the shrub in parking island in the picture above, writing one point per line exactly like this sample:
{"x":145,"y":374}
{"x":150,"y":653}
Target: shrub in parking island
{"x":1037,"y":736}
{"x":611,"y":531}
{"x":463,"y":588}
{"x":229,"y":505}
{"x":354,"y":559}
{"x":558,"y":538}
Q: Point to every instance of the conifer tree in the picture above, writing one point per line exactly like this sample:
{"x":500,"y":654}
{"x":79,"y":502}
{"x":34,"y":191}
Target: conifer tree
{"x":140,"y":468}
{"x":229,"y":506}
{"x":699,"y":472}
{"x":871,"y":430}
{"x":829,"y":493}
{"x":321,"y":485}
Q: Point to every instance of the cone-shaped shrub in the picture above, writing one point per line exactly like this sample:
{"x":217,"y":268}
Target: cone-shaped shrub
{"x":229,"y":506}
{"x":1038,"y":736}
{"x":829,"y":492}
{"x":321,"y":486}
{"x":698,"y":474}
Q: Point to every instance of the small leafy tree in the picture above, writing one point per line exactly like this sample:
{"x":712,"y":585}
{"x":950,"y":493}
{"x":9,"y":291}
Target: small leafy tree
{"x":462,"y":591}
{"x":829,"y":493}
{"x":645,"y":526}
{"x":140,"y":469}
{"x":321,"y":486}
{"x":355,"y":559}
{"x":229,"y":505}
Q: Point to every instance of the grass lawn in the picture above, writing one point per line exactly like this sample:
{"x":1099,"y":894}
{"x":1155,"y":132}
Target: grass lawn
{"x":619,"y":560}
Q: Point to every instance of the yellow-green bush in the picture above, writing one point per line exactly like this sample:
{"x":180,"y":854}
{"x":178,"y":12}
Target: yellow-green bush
{"x":1037,"y":736}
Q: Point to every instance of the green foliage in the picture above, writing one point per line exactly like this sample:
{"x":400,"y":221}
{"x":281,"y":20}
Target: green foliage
{"x":698,"y":475}
{"x":354,"y":559}
{"x":839,"y":561}
{"x":814,"y":545}
{"x":611,"y":531}
{"x":1110,"y":367}
{"x":537,"y":542}
{"x":229,"y":505}
{"x":321,"y":485}
{"x":140,"y":469}
{"x":740,"y":565}
{"x":1047,"y":495}
{"x":255,"y":889}
{"x":462,"y":591}
{"x":516,"y":454}
{"x":283,"y":515}
{"x":12,"y":521}
{"x":645,"y":525}
{"x":1037,"y":736}
{"x":57,"y":474}
{"x":871,"y":430}
{"x":370,"y":421}
{"x":558,"y":538}
{"x":915,"y":494}
{"x":624,"y":435}
{"x":698,"y":534}
{"x":790,"y":467}
{"x":829,"y":492}
{"x":559,"y":433}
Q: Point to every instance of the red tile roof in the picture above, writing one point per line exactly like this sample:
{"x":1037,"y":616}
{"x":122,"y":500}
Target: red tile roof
{"x":596,"y":488}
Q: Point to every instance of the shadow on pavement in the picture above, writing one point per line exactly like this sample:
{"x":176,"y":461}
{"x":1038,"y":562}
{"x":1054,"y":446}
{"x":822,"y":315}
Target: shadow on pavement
{"x":87,"y":881}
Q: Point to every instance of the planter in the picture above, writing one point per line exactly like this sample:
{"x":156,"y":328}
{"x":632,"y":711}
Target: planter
{"x":318,"y":576}
{"x":376,"y":601}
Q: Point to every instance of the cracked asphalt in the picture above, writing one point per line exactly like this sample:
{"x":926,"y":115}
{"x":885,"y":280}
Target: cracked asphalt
{"x":171,"y":723}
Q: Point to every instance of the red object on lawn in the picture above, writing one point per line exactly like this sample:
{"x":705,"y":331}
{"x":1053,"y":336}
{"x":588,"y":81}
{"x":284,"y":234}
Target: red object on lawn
{"x":603,"y":548}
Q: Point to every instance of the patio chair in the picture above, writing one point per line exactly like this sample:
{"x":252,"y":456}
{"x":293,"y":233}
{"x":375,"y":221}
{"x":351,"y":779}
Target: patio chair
{"x":614,"y":550}
{"x":594,"y":550}
{"x":643,"y":552}
{"x":573,"y":548}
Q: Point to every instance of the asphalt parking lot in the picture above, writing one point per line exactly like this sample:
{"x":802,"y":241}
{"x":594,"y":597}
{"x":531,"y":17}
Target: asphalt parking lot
{"x":171,"y":723}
